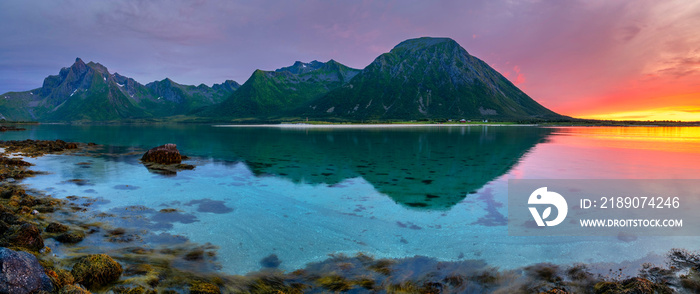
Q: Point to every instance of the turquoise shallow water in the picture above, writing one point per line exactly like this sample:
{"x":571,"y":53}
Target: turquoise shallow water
{"x":303,"y":194}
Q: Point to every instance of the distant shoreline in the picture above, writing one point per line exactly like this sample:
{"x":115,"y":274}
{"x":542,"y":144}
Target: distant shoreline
{"x":363,"y":126}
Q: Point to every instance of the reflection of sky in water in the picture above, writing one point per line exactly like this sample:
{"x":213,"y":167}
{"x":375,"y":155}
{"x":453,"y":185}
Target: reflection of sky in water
{"x":303,"y":222}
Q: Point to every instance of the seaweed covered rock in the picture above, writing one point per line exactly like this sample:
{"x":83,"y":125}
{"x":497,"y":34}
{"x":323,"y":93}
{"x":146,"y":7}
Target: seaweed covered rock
{"x":96,"y":270}
{"x":164,"y":154}
{"x":55,"y":227}
{"x":73,"y":289}
{"x":631,"y":285}
{"x":10,"y":128}
{"x":27,"y":236}
{"x":20,"y":272}
{"x":555,"y":291}
{"x":204,"y":288}
{"x":131,"y":290}
{"x":13,"y":168}
{"x":59,"y":277}
{"x":37,"y":147}
{"x":165,"y":160}
{"x":8,"y":217}
{"x":7,"y":191}
{"x":70,"y":237}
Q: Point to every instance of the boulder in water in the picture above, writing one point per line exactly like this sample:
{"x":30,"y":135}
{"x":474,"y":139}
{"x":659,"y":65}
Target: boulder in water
{"x":96,"y":270}
{"x":164,"y":154}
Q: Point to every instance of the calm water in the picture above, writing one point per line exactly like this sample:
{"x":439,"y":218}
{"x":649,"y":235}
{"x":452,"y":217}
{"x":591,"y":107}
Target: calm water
{"x":305,"y":193}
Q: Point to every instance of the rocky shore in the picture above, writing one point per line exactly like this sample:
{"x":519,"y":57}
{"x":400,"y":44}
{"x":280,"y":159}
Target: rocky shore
{"x":48,"y":246}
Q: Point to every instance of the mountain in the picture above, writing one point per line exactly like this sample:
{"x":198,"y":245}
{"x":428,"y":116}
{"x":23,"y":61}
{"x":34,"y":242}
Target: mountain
{"x":424,"y":78}
{"x":433,"y":78}
{"x":89,"y":92}
{"x":173,"y":98}
{"x":275,"y":93}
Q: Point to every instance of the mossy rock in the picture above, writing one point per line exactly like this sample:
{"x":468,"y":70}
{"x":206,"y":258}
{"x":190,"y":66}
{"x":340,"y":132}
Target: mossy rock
{"x":129,"y":290}
{"x":274,"y":284}
{"x":631,"y":285}
{"x":70,"y":237}
{"x":606,"y":287}
{"x":638,"y":285}
{"x":60,"y":278}
{"x":27,"y":236}
{"x":56,"y":228}
{"x":73,"y":289}
{"x":96,"y":270}
{"x":555,"y":291}
{"x":8,"y":216}
{"x":204,"y":288}
{"x":7,"y":192}
{"x":335,"y":283}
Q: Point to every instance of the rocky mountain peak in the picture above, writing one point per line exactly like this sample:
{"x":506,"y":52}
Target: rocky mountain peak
{"x":424,"y":43}
{"x":99,"y":68}
{"x":78,"y":68}
{"x":228,"y":85}
{"x":301,"y":68}
{"x":78,"y":62}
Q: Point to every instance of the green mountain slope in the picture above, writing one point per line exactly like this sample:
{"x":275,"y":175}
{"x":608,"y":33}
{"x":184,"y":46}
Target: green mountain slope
{"x":99,"y":100}
{"x":18,"y":106}
{"x":274,"y":93}
{"x":428,"y":78}
{"x":169,"y":98}
{"x":88,"y":92}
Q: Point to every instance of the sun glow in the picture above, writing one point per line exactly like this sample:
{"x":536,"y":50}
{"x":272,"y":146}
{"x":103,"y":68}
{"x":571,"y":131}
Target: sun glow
{"x":657,"y":114}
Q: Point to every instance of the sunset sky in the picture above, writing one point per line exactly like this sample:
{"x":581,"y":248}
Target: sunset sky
{"x":637,"y":59}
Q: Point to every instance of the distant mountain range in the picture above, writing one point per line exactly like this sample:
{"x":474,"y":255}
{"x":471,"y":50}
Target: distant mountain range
{"x":284,"y":91}
{"x":424,"y":78}
{"x":89,"y":92}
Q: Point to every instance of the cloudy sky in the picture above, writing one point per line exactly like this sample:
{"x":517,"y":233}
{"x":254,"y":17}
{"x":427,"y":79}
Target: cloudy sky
{"x":594,"y":58}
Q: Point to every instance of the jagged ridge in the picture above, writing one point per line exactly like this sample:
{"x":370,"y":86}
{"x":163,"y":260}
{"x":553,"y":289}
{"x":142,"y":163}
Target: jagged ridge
{"x":88,"y":92}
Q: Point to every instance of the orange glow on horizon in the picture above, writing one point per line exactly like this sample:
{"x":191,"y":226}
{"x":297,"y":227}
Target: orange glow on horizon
{"x":639,"y":107}
{"x":658,"y":114}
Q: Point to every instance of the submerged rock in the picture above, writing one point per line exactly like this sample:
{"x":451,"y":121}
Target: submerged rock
{"x":164,"y":154}
{"x":20,"y":272}
{"x":96,"y":270}
{"x":271,"y":261}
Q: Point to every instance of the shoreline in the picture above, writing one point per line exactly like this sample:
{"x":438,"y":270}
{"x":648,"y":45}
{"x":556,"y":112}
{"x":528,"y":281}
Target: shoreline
{"x":337,"y":273}
{"x":361,"y":126}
